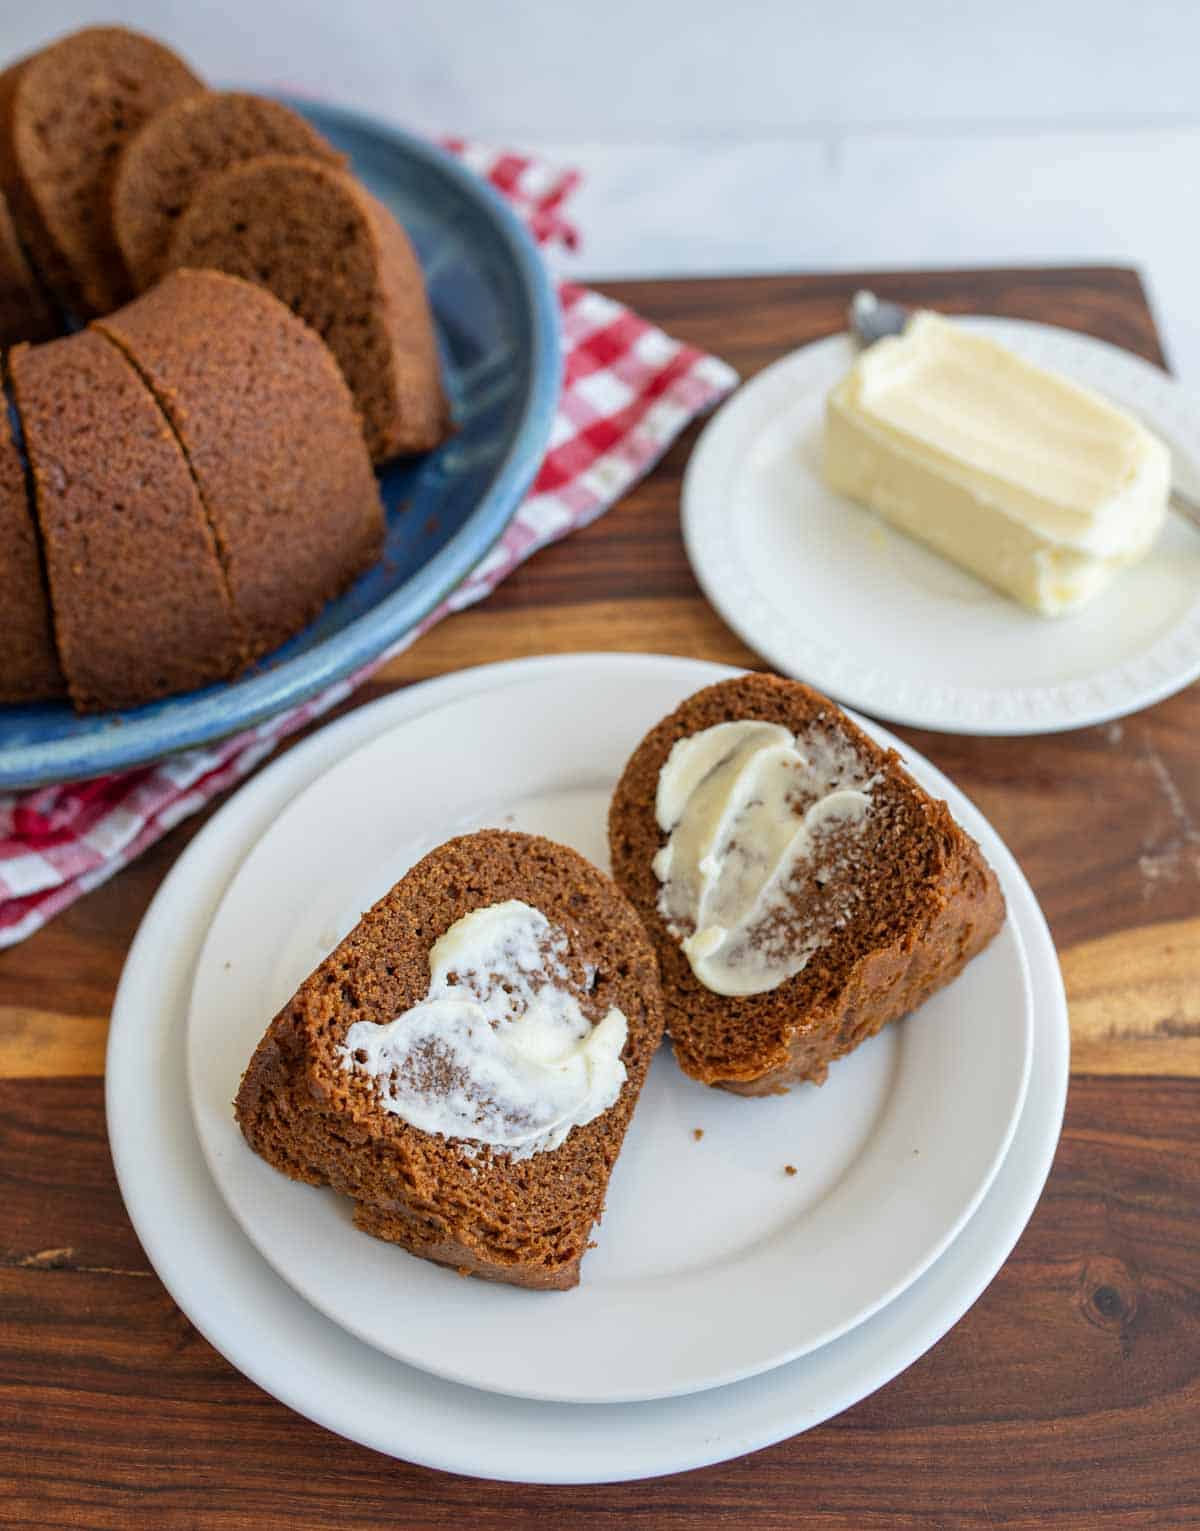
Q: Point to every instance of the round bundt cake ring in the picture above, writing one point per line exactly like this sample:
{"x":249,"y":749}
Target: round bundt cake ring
{"x":234,"y":494}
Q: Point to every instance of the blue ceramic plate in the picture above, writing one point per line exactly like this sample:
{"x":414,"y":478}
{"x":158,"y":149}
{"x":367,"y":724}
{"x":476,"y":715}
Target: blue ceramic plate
{"x":497,"y":319}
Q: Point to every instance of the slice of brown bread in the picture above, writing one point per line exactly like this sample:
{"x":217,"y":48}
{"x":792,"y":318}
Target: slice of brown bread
{"x":171,"y":154}
{"x":26,"y":312}
{"x":139,"y":600}
{"x":271,"y":436}
{"x":65,"y":114}
{"x":321,"y":243}
{"x":522,"y":1221}
{"x":29,"y":670}
{"x":917,"y":897}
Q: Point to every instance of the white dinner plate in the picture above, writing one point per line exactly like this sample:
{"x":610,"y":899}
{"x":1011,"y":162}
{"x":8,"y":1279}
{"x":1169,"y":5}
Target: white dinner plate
{"x":828,"y":592}
{"x":314,"y":1366}
{"x":890,"y":1156}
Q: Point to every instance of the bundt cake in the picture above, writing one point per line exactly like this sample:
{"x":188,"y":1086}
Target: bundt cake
{"x":26,"y":312}
{"x":171,"y":154}
{"x":65,"y":114}
{"x":29,"y":671}
{"x":465,"y":1064}
{"x":800,"y":889}
{"x":140,"y":603}
{"x":189,"y":481}
{"x":338,"y":258}
{"x":271,"y":436}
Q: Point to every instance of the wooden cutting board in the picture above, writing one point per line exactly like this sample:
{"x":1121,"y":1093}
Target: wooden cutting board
{"x":1069,"y":1397}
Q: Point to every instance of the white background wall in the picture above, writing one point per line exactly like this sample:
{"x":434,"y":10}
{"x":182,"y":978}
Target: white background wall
{"x":773,"y":134}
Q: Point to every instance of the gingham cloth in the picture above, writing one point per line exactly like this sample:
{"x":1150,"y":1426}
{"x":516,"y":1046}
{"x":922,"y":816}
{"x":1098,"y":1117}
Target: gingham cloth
{"x":628,"y":391}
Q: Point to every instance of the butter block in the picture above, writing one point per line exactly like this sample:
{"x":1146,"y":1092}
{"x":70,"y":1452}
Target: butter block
{"x":1037,"y":485}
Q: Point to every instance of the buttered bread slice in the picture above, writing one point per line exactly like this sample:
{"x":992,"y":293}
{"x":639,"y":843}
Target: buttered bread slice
{"x":801,"y":890}
{"x":465,"y":1064}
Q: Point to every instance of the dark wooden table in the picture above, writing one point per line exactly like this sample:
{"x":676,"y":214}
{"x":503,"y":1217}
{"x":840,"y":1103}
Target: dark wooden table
{"x":1069,"y":1397}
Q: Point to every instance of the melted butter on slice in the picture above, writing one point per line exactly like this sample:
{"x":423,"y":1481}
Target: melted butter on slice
{"x":746,"y":809}
{"x":499,"y":1051}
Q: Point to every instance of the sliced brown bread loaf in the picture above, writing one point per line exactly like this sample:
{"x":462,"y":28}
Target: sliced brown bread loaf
{"x":908,"y":902}
{"x":526,"y":1221}
{"x":65,"y":114}
{"x":321,"y":243}
{"x":271,"y":437}
{"x":29,"y":670}
{"x":26,"y":312}
{"x":139,"y":599}
{"x":171,"y":154}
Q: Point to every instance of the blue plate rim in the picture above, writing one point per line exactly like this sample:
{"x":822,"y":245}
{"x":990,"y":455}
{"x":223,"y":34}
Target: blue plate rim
{"x":135,"y":742}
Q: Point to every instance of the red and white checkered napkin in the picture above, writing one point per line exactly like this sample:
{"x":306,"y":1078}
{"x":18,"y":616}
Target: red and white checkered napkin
{"x":627,"y":393}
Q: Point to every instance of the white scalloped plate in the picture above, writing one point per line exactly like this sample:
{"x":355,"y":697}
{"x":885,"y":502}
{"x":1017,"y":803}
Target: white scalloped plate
{"x":267,"y":1330}
{"x":889,"y":1158}
{"x":827,"y":592}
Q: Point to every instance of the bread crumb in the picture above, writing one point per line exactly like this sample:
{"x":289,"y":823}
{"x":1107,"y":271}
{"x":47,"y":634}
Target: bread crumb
{"x":463,"y":1270}
{"x":789,"y":1169}
{"x":592,"y":1244}
{"x":697,"y":1133}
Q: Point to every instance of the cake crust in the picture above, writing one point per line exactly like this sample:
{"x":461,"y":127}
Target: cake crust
{"x":139,"y":602}
{"x":26,"y":312}
{"x":524,"y":1222}
{"x":931,"y":903}
{"x":30,"y":672}
{"x":271,"y":437}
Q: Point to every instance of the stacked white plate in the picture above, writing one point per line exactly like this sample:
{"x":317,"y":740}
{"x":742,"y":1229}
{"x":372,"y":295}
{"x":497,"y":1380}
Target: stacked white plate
{"x":730,"y":1302}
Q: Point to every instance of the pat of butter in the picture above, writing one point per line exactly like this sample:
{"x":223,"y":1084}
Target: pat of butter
{"x":499,"y":1051}
{"x":748,"y":809}
{"x":1032,"y":483}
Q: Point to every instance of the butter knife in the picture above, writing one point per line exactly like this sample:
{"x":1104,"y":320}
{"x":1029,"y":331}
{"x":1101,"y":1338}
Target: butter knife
{"x":873,"y":318}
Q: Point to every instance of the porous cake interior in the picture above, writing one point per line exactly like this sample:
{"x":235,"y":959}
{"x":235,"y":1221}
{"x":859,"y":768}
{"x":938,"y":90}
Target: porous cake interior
{"x":194,"y":138}
{"x":305,"y":231}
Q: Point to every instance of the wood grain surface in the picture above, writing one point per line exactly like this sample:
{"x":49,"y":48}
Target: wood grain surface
{"x":1069,"y":1397}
